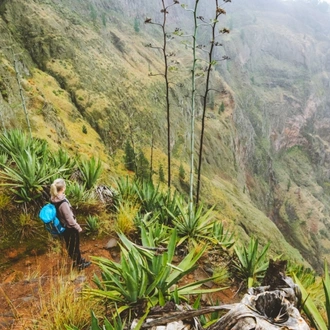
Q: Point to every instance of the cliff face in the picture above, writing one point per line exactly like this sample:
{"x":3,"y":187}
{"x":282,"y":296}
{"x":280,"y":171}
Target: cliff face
{"x":266,"y":156}
{"x":282,"y":54}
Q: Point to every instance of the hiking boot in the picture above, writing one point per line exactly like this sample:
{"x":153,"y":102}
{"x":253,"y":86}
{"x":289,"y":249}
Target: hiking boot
{"x":84,"y":265}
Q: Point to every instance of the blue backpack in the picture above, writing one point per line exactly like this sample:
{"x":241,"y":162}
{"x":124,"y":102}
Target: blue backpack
{"x":49,"y":217}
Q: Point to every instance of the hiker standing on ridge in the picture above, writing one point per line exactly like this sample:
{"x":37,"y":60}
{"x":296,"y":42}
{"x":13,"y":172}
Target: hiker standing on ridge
{"x":67,"y":218}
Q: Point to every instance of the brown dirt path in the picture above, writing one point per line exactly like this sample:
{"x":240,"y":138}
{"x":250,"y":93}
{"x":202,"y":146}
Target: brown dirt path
{"x":21,"y":282}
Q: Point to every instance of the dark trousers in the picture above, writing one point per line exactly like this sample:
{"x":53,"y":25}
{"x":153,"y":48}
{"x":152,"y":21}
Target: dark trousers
{"x":72,"y":241}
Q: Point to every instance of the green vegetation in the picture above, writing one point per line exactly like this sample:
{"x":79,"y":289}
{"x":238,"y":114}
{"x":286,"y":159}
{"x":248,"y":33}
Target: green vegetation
{"x":93,"y":225}
{"x":251,"y":264}
{"x":83,"y":81}
{"x":221,"y":108}
{"x":129,"y":157}
{"x":90,"y":171}
{"x":29,"y":170}
{"x":152,"y":224}
{"x":145,"y":278}
{"x":161,"y":173}
{"x":60,"y":306}
{"x":311,"y":307}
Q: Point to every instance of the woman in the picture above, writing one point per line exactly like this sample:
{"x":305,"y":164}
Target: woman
{"x":67,"y":218}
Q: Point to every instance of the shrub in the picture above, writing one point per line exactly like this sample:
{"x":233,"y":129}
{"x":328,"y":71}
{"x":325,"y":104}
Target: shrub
{"x":28,"y":176}
{"x":61,"y":306}
{"x":129,"y":157}
{"x":196,"y":227}
{"x":182,"y":173}
{"x":30,"y":167}
{"x":161,"y":173}
{"x":26,"y":226}
{"x":92,"y":225}
{"x":142,"y":167}
{"x":144,"y":278}
{"x":126,"y":213}
{"x":91,"y":171}
{"x":251,"y":264}
{"x":127,"y":190}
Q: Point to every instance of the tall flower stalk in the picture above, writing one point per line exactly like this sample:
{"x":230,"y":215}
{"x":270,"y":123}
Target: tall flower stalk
{"x":211,"y":63}
{"x":164,"y":51}
{"x":192,"y":113}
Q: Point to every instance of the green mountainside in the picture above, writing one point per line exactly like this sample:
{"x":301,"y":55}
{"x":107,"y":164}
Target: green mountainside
{"x":85,"y":76}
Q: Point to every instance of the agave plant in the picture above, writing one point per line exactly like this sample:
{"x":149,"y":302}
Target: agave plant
{"x":312,"y":311}
{"x":144,"y":277}
{"x":151,"y":199}
{"x":224,"y":237}
{"x":91,"y":171}
{"x":326,"y":288}
{"x":196,"y":227}
{"x":153,"y":232}
{"x":92,"y":225}
{"x":169,"y":207}
{"x":251,"y":263}
{"x":61,"y":159}
{"x":28,"y":175}
{"x":126,"y":190}
{"x":76,"y":192}
{"x":148,"y":195}
{"x":15,"y":142}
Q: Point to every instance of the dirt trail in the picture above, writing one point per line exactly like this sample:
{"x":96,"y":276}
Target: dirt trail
{"x":21,"y":282}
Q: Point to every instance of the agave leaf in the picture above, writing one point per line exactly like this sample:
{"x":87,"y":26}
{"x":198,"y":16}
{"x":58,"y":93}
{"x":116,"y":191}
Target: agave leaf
{"x":95,"y":323}
{"x":309,"y":307}
{"x":326,"y":287}
{"x":113,"y":296}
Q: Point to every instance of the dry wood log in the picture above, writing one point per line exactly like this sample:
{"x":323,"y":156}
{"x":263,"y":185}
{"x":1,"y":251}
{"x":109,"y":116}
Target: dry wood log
{"x":268,"y":310}
{"x":269,"y":307}
{"x":272,"y":306}
{"x":160,"y":319}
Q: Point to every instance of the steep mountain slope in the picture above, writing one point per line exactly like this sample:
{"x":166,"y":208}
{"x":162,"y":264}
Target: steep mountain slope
{"x":283,"y":111}
{"x":85,"y":68}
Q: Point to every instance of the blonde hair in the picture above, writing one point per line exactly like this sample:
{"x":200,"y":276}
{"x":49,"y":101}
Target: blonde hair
{"x":56,"y":187}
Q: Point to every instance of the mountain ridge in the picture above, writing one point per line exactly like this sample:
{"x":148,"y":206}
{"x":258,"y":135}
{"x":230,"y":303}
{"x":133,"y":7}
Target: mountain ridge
{"x":85,"y":64}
